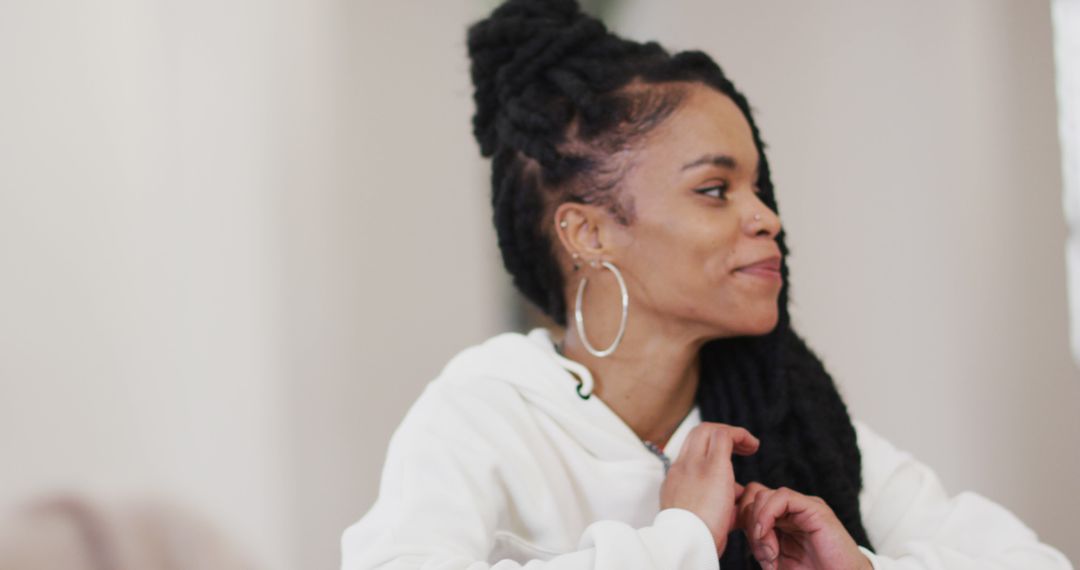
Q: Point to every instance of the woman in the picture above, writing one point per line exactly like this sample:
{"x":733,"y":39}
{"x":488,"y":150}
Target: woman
{"x":687,"y":426}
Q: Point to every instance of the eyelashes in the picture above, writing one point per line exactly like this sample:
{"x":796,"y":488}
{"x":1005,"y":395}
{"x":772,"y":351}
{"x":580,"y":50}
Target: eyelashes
{"x":716,"y":191}
{"x":719,"y":191}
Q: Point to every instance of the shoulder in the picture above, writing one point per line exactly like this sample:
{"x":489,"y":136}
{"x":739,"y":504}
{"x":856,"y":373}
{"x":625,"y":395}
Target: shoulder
{"x":897,"y":485}
{"x":876,"y":450}
{"x":475,"y":394}
{"x":496,"y":357}
{"x":884,"y":465}
{"x":874,"y":446}
{"x":908,"y":513}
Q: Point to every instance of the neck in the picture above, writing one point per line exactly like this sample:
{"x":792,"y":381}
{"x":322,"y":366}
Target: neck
{"x":649,"y":381}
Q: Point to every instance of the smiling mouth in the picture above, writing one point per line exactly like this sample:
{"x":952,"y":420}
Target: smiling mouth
{"x":761,"y":272}
{"x":768,"y":268}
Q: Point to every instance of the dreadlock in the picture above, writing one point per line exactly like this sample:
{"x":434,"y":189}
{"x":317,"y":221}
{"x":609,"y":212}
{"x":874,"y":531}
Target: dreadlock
{"x":558,"y":99}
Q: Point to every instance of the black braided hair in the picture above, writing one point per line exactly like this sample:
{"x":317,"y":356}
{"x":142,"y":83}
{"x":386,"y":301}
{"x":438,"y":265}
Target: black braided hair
{"x":558,"y":98}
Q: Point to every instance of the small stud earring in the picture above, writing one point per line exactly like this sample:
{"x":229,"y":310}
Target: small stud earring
{"x":563,"y":224}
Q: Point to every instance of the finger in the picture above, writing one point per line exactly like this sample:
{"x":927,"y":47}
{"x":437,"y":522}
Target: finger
{"x":718,"y":457}
{"x":734,"y":522}
{"x":744,"y":510}
{"x":749,"y":493}
{"x":791,"y":506}
{"x":745,"y":505}
{"x":696,"y":444}
{"x":767,"y":550}
{"x":763,"y":540}
{"x":755,"y":523}
{"x":744,"y":442}
{"x":741,"y":438}
{"x":755,"y":487}
{"x":728,"y":440}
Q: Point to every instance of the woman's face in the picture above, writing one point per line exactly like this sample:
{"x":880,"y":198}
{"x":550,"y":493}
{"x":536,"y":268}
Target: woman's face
{"x":692,"y":188}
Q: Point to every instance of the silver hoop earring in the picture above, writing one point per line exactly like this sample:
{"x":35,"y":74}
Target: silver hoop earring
{"x":580,"y":319}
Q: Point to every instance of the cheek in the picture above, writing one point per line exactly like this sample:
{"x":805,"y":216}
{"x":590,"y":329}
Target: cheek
{"x":718,"y":264}
{"x":693,"y":254}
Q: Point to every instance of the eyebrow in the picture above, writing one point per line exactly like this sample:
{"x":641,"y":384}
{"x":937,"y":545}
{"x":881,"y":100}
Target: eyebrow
{"x":722,"y":160}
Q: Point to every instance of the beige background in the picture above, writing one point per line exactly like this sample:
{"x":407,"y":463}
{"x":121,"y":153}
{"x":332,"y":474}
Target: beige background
{"x":236,"y":239}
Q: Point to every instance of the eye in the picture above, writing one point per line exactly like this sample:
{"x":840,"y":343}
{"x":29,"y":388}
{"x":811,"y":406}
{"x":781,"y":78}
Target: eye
{"x":716,"y":191}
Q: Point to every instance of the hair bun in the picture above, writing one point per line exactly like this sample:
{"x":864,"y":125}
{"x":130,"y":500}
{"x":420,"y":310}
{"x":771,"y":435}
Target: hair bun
{"x":555,"y":10}
{"x":514,"y":48}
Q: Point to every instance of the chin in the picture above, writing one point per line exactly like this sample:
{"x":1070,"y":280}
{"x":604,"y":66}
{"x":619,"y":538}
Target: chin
{"x":763,"y":325}
{"x":749,"y":323}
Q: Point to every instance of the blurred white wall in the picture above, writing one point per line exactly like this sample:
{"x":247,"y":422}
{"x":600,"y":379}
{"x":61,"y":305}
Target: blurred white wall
{"x":1066,"y":18}
{"x":915,"y":152}
{"x":392,"y":265}
{"x":141,"y":312}
{"x":237,"y":238}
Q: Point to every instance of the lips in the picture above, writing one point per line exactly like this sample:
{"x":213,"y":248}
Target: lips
{"x":768,"y":268}
{"x":769,"y":262}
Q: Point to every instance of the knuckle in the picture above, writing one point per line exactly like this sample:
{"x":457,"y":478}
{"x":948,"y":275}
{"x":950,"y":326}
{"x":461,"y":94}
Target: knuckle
{"x":706,"y":430}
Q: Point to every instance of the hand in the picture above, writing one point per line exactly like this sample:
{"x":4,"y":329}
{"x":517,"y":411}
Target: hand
{"x":702,"y":479}
{"x":787,"y":530}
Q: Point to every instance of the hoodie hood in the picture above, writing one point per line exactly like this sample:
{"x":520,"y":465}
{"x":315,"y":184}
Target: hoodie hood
{"x":561,"y":389}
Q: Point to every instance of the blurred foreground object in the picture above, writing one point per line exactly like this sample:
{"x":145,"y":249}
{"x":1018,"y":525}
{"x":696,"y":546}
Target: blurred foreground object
{"x":70,"y":532}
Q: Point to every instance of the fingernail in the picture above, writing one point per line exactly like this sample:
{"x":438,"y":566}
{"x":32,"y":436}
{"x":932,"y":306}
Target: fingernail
{"x":758,"y":531}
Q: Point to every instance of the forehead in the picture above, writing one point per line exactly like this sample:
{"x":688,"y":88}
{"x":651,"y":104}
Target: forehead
{"x":706,"y":122}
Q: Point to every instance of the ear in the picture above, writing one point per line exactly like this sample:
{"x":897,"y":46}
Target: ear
{"x":583,"y":229}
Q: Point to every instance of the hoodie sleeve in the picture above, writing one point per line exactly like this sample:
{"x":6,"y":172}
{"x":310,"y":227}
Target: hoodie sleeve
{"x":441,"y":500}
{"x":914,"y":525}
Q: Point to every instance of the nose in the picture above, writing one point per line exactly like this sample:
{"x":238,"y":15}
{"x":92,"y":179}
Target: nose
{"x":762,"y":221}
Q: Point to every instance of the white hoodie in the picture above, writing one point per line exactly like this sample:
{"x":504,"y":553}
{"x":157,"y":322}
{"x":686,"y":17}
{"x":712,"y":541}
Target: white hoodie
{"x":500,"y":464}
